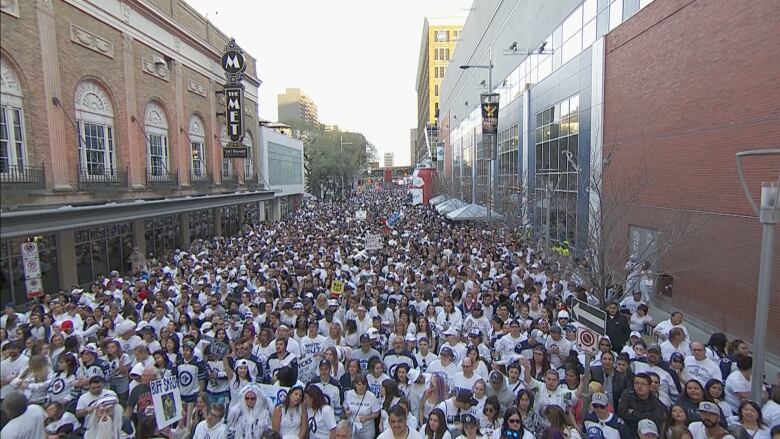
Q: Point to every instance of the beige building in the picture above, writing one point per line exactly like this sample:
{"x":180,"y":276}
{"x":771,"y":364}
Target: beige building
{"x":112,"y":135}
{"x":296,"y":108}
{"x":439,"y":38}
{"x":388,"y":159}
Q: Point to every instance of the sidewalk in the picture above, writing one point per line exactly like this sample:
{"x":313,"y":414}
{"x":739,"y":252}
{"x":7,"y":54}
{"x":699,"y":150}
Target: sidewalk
{"x":700,"y":331}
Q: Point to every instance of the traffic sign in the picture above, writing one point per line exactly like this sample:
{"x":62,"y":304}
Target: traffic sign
{"x":587,"y":340}
{"x":589,"y":316}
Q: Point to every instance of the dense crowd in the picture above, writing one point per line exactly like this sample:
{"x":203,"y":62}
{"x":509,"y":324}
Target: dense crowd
{"x":450,"y":330}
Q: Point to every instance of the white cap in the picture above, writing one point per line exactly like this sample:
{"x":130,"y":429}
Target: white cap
{"x":646,"y":426}
{"x":138,"y":369}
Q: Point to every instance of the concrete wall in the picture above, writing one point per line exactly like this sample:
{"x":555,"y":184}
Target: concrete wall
{"x":269,"y":135}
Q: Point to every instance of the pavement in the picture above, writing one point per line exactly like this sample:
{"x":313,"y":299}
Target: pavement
{"x":700,"y":331}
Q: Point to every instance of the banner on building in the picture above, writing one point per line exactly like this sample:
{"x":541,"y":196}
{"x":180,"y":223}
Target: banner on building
{"x":440,"y":152}
{"x":489,"y":106}
{"x":32,"y":270}
{"x":166,"y":399}
{"x":234,"y":112}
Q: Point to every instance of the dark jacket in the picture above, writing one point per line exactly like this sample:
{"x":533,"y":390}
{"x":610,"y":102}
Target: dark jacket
{"x":632,"y":410}
{"x":618,"y":331}
{"x":619,"y":383}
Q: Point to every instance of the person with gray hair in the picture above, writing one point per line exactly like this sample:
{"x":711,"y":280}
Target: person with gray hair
{"x":343,"y":430}
{"x":26,"y":421}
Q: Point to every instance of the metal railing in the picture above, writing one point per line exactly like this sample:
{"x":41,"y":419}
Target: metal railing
{"x":162,"y":178}
{"x":202,"y":180}
{"x":21,"y":178}
{"x":101,"y":180}
{"x":230,"y":180}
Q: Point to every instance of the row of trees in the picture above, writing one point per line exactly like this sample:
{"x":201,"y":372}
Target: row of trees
{"x":332,"y":159}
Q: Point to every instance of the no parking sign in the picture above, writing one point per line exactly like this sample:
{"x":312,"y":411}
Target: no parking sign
{"x":587,"y":340}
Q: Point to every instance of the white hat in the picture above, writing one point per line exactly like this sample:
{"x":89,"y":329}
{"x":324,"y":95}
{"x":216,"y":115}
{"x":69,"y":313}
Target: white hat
{"x":333,"y":302}
{"x":563,"y":314}
{"x":646,"y":426}
{"x":414,"y":374}
{"x":450,"y":331}
{"x":635,"y":334}
{"x":411,"y":337}
{"x":138,"y":369}
{"x":205,"y":327}
{"x":141,"y":325}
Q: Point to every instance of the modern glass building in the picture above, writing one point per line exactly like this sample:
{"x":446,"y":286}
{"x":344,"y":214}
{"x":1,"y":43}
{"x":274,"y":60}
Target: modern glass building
{"x":547,"y":64}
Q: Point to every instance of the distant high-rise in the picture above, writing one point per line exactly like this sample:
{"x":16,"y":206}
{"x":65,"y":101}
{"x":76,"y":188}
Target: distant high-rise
{"x":296,"y":108}
{"x":439,"y":38}
{"x":388,"y":160}
{"x":412,"y":145}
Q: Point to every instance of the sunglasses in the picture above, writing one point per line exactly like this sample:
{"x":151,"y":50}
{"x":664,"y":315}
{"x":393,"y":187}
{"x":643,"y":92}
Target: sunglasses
{"x":249,"y":398}
{"x":598,"y":406}
{"x":514,"y":421}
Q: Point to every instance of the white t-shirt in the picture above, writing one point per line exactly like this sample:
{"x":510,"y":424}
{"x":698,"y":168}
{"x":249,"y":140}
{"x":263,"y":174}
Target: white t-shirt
{"x":321,"y":422}
{"x":736,"y":382}
{"x":362,"y":406}
{"x":10,"y":369}
{"x":699,"y":431}
{"x":202,"y":431}
{"x":461,"y":382}
{"x":703,"y":370}
{"x":29,"y":425}
{"x":771,"y":413}
{"x":87,"y":399}
{"x":67,"y":418}
{"x":411,"y":434}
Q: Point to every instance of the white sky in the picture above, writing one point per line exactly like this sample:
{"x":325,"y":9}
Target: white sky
{"x":357,"y":59}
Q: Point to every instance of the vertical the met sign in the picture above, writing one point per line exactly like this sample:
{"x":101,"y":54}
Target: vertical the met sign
{"x":234,"y":112}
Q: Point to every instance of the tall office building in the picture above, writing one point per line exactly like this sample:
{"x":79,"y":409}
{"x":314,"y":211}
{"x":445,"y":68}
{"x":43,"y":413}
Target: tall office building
{"x":296,"y":108}
{"x":439,"y":37}
{"x":388,"y":160}
{"x":412,"y":145}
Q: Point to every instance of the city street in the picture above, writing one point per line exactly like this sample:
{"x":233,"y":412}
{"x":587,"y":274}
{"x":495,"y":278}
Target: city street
{"x":428,"y":219}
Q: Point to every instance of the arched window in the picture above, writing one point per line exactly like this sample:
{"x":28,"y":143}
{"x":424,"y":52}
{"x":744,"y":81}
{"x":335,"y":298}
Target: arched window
{"x":227,"y":164}
{"x":248,"y":166}
{"x":12,"y":146}
{"x":197,"y":135}
{"x":156,"y":127}
{"x":95,"y":120}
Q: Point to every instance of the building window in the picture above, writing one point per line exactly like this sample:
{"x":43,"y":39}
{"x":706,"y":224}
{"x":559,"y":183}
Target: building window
{"x":156,"y":127}
{"x":447,"y":54}
{"x":615,"y":13}
{"x":102,"y":249}
{"x":12,"y":146}
{"x":12,"y":280}
{"x":249,"y":167}
{"x":95,"y":120}
{"x":285,"y":165}
{"x":197,"y":136}
{"x":227,"y":164}
{"x":229,"y":219}
{"x":202,"y":224}
{"x":436,"y":90}
{"x":162,"y":234}
{"x":436,"y":54}
{"x":557,"y":141}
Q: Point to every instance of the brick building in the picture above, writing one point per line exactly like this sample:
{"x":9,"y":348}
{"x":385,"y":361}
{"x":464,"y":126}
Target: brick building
{"x":112,"y":127}
{"x":687,"y":85}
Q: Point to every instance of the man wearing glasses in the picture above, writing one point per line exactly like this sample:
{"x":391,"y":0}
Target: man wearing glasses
{"x":212,"y":427}
{"x":600,"y":418}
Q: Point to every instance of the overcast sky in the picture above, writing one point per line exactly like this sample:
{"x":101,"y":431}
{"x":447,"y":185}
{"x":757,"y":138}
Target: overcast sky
{"x":357,"y":59}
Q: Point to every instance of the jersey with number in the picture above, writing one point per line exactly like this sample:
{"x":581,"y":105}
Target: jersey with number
{"x":190,"y":374}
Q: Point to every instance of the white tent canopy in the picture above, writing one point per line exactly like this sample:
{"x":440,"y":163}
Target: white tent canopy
{"x":438,"y":199}
{"x":449,"y":205}
{"x":471,"y":212}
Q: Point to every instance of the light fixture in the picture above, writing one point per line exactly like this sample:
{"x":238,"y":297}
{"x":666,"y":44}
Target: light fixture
{"x":513,"y":47}
{"x":482,"y":83}
{"x":541,"y":48}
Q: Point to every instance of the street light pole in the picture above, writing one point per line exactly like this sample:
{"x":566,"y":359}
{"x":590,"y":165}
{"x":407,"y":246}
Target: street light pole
{"x":491,"y":171}
{"x":769,"y":215}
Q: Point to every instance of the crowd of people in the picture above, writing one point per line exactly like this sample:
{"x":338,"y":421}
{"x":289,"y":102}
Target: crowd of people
{"x":449,"y":330}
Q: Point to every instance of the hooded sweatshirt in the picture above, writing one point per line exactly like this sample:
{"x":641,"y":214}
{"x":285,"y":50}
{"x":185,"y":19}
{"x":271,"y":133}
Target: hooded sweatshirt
{"x":505,"y":395}
{"x":246,"y":423}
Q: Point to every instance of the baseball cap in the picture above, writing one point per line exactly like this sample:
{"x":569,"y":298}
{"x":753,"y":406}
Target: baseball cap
{"x":414,"y":375}
{"x":646,"y":426}
{"x":496,"y":377}
{"x":475,"y":333}
{"x":677,"y":356}
{"x":67,"y":324}
{"x":468,"y":419}
{"x":466,"y":396}
{"x":325,"y":362}
{"x":333,"y":302}
{"x":594,"y":432}
{"x":298,"y":305}
{"x":635,"y":334}
{"x":450,"y":331}
{"x":138,"y":369}
{"x":706,"y":406}
{"x":446,"y":351}
{"x":365,"y":337}
{"x":654,"y":347}
{"x":410,"y":338}
{"x":556,"y":329}
{"x":600,"y":399}
{"x":563,"y":314}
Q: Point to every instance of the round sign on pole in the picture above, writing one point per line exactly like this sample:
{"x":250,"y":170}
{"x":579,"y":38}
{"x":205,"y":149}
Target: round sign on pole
{"x":233,"y":59}
{"x":587,"y":340}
